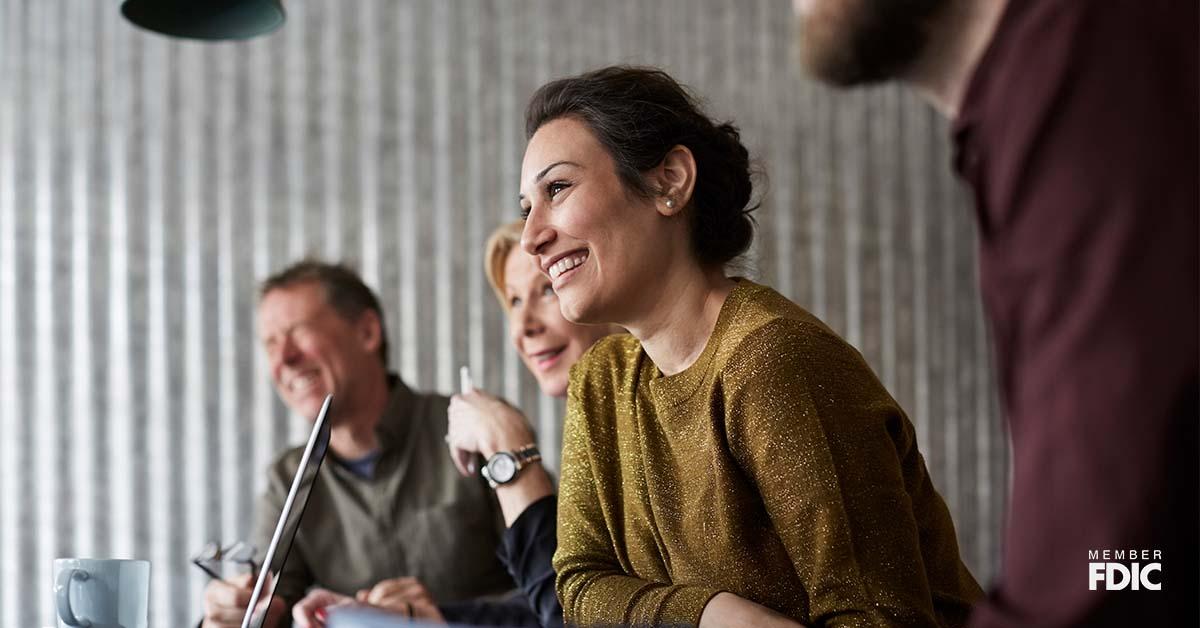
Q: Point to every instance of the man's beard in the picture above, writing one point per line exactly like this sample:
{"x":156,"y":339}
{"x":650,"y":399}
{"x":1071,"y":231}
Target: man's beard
{"x":852,"y":42}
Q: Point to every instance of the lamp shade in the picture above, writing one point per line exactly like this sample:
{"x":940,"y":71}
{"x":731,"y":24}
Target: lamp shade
{"x":206,"y":19}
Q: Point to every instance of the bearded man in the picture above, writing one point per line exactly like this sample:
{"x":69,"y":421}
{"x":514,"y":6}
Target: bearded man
{"x":1076,"y":125}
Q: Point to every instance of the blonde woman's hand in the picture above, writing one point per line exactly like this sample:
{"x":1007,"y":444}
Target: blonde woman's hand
{"x":482,"y":424}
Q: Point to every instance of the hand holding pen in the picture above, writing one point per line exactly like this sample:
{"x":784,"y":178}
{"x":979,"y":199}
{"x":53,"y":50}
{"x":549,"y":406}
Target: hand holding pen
{"x":465,"y":459}
{"x":481,"y":424}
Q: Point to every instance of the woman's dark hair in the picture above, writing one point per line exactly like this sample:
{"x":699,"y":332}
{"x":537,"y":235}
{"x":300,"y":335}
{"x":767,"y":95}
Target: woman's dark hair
{"x":640,"y":114}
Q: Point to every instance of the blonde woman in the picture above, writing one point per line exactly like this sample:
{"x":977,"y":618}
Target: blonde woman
{"x":483,"y":425}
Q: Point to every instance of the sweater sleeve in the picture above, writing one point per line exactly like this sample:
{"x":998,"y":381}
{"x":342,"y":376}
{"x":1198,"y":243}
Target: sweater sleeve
{"x":594,"y":583}
{"x":822,"y":441}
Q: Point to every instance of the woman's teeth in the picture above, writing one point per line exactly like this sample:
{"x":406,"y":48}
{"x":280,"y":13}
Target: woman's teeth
{"x":545,"y":356}
{"x":566,"y":263}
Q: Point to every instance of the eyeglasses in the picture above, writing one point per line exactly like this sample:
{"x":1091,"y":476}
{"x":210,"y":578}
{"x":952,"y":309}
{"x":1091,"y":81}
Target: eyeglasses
{"x":210,"y":558}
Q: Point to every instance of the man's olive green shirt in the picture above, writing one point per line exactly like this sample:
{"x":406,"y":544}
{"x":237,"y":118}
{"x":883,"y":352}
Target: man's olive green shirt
{"x":415,"y":517}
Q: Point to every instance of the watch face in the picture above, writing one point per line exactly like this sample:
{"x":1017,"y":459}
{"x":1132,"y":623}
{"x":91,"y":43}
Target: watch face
{"x":502,"y":467}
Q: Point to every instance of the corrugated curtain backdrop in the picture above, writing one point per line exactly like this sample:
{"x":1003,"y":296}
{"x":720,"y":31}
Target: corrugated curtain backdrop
{"x":146,"y":185}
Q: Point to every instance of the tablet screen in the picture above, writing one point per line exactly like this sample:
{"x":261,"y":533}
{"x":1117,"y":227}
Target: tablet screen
{"x":289,"y":518}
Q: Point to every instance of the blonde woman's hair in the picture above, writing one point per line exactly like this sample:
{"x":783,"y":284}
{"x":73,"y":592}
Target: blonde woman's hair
{"x":502,"y":242}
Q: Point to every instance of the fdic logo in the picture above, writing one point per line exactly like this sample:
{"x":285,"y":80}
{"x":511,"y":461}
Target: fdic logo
{"x":1132,"y":573}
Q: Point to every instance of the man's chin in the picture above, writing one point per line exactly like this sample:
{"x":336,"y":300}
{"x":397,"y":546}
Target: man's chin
{"x":308,"y":406}
{"x":827,"y":57}
{"x":860,"y":43}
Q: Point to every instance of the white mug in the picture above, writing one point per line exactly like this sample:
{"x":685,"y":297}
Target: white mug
{"x":101,"y":593}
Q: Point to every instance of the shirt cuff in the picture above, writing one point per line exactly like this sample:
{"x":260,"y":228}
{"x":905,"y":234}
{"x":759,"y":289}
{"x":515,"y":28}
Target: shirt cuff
{"x":684,"y":605}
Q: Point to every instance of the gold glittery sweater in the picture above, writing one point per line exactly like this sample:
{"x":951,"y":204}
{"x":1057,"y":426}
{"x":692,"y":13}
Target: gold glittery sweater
{"x":776,"y":467}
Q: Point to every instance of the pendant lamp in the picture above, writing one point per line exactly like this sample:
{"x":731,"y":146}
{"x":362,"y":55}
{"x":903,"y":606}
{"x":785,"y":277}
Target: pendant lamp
{"x":206,"y":19}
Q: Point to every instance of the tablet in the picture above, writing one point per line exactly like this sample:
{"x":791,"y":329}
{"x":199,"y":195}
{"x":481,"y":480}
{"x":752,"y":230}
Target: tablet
{"x":289,"y":517}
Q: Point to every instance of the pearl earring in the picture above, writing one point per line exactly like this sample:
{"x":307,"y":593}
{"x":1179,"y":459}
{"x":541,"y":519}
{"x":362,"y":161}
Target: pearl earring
{"x":670,"y":203}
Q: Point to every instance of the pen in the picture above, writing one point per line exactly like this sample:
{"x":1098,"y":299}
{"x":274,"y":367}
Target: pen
{"x":466,"y":385}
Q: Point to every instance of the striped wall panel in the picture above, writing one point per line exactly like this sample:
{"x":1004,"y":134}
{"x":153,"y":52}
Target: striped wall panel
{"x":146,"y":185}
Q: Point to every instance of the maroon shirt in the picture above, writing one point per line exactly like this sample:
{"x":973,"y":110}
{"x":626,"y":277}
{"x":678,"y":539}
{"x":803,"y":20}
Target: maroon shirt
{"x":1079,"y":135}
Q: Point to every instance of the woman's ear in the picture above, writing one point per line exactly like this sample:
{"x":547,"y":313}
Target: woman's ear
{"x":675,"y":180}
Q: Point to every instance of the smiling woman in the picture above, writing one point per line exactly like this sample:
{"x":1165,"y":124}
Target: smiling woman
{"x":481,"y":424}
{"x":547,"y":343}
{"x":733,"y":461}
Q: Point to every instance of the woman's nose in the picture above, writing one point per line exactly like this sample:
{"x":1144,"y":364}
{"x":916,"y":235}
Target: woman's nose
{"x":531,"y":323}
{"x":537,"y":234}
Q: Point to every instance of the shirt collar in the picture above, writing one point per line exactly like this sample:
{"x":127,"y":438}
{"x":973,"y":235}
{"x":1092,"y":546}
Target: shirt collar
{"x":396,"y":420}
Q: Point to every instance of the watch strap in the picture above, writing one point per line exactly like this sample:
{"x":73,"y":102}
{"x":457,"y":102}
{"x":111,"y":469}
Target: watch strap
{"x":527,"y":454}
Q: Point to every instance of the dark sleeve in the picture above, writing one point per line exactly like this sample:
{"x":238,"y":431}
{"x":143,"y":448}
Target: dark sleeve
{"x":526,"y":551}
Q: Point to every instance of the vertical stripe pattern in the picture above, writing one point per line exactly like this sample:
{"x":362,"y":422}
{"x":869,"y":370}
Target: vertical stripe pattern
{"x":147,"y":185}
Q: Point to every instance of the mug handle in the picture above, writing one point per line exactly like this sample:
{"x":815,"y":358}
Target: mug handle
{"x":62,"y":596}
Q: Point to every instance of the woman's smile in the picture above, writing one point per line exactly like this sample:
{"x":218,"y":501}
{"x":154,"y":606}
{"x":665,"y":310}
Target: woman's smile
{"x":561,"y":271}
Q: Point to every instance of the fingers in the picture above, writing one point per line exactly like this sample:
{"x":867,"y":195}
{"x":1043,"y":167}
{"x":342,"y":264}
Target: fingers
{"x":395,"y":587}
{"x":307,"y":612}
{"x":462,"y":419}
{"x":225,"y":618}
{"x":395,"y":605}
{"x":477,"y":396}
{"x":418,"y":606}
{"x":225,"y":601}
{"x":460,"y":403}
{"x":226,"y":596}
{"x":462,"y":415}
{"x":463,"y":461}
{"x":472,"y":402}
{"x":462,"y":437}
{"x":427,"y":610}
{"x":400,"y":595}
{"x":404,"y":596}
{"x":243,"y":581}
{"x":228,"y":593}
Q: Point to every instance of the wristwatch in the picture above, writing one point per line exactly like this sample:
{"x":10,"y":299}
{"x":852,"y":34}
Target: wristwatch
{"x":503,"y":466}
